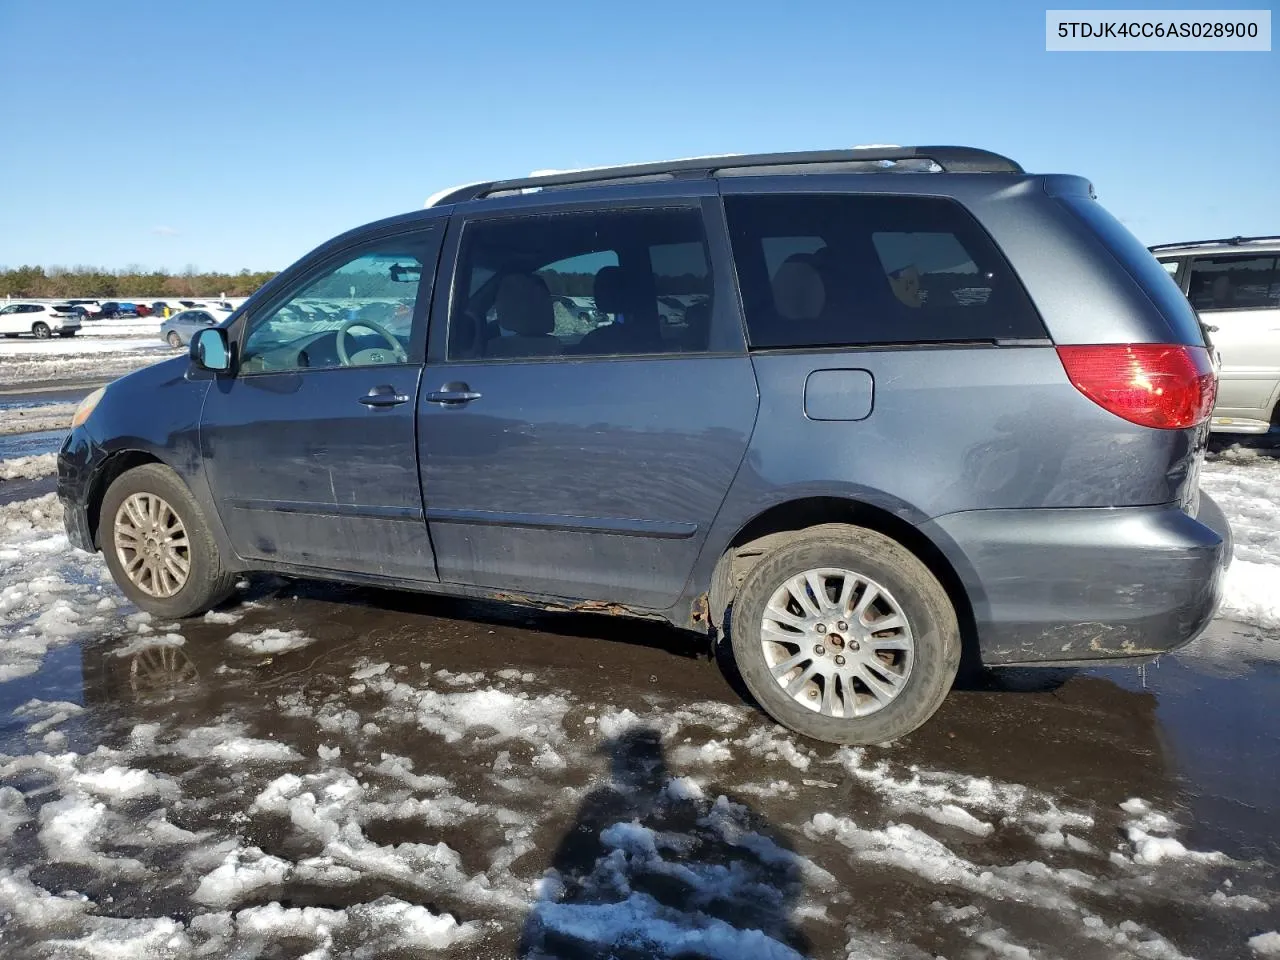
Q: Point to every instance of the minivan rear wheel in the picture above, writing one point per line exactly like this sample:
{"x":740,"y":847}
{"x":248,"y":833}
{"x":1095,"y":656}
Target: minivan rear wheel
{"x":845,"y":636}
{"x":158,"y":546}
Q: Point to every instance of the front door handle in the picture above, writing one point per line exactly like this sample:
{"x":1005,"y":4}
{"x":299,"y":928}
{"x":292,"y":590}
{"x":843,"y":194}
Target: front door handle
{"x":384,"y":396}
{"x":454,"y":392}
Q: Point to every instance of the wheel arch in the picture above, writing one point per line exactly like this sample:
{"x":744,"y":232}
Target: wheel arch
{"x":114,"y":466}
{"x":782,"y":522}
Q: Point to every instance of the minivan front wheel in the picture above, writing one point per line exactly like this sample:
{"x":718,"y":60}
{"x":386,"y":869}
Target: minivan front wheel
{"x":845,"y":636}
{"x":158,"y":546}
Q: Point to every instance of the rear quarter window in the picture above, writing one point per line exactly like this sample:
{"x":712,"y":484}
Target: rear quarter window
{"x":1139,"y":263}
{"x":842,"y":270}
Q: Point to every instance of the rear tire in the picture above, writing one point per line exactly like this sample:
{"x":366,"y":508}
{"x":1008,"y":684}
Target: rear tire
{"x":41,"y":331}
{"x":908,"y":669}
{"x":158,"y":545}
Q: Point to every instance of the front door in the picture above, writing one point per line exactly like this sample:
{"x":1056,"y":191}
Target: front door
{"x":582,"y":420}
{"x":310,"y":447}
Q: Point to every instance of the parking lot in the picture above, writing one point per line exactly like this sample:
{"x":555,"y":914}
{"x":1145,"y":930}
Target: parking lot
{"x":328,"y":770}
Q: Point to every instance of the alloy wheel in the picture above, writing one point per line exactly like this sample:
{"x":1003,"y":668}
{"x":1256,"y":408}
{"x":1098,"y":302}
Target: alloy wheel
{"x":837,"y":642}
{"x":152,"y":546}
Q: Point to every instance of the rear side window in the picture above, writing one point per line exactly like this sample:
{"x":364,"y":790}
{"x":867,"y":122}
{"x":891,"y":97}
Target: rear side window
{"x":835,"y":270}
{"x":1235,"y":283}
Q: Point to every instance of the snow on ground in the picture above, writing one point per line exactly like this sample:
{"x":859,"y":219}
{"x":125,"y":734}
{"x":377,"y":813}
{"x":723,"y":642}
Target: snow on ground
{"x":28,"y":468}
{"x":353,"y":803}
{"x":97,"y":354}
{"x":1246,"y":484}
{"x":267,"y":641}
{"x":45,"y":416}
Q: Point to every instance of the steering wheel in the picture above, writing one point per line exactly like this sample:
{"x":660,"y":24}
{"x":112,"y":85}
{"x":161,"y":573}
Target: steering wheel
{"x":371,"y":354}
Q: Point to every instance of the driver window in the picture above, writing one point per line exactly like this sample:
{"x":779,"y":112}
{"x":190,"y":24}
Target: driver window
{"x":358,"y":313}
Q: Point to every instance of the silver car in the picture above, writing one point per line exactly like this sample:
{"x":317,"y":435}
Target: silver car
{"x":1234,"y":285}
{"x":178,"y":330}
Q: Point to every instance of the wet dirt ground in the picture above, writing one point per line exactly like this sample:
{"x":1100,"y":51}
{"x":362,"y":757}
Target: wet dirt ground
{"x":997,"y":827}
{"x":323,"y":771}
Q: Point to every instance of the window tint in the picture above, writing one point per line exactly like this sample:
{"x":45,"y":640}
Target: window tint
{"x":1235,"y":283}
{"x":605,"y":283}
{"x":833,"y":270}
{"x":357,"y":313}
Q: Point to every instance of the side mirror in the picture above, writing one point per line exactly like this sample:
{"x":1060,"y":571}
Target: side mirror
{"x":209,"y":350}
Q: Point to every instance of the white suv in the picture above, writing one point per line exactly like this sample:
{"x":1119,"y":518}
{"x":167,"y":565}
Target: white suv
{"x":38,"y":319}
{"x":1234,"y":285}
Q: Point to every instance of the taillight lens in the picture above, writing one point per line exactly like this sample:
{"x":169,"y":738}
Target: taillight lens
{"x":1167,"y":386}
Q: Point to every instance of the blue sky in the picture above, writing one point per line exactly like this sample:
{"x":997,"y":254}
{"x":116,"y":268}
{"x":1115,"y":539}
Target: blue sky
{"x":237,"y":134}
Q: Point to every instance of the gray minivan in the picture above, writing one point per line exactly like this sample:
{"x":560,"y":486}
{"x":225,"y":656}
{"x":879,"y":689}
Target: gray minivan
{"x":852,"y":410}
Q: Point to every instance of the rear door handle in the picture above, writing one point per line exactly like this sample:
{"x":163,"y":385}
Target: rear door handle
{"x":384,"y":396}
{"x":452,"y":393}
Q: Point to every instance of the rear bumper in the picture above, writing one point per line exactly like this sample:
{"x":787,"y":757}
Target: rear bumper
{"x":1065,"y":586}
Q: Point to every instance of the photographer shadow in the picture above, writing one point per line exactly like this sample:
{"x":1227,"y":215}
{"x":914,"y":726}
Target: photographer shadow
{"x":653,"y":868}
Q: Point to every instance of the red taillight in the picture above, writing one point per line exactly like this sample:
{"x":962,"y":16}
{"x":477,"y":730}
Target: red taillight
{"x":1168,"y":386}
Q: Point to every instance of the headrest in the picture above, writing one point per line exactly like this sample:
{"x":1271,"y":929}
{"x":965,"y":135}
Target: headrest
{"x":614,"y":292}
{"x":798,"y":290}
{"x":524,"y":305}
{"x":906,"y":285}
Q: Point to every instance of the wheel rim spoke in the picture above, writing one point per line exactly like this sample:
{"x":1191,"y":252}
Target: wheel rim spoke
{"x":818,"y":588}
{"x":798,"y":684}
{"x":880,"y":688}
{"x":829,"y":696}
{"x":889,"y":644}
{"x":786,"y":666}
{"x":799,"y":588}
{"x":775,"y":612}
{"x":869,"y":596}
{"x":848,"y":695}
{"x":892,"y":622}
{"x":846,"y":594}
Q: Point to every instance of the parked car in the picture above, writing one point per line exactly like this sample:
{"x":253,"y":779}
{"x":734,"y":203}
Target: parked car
{"x":141,"y":310}
{"x":960,"y":409}
{"x":70,"y":310}
{"x":40,"y":320}
{"x":111,"y":309}
{"x":178,"y":329}
{"x":91,"y":307}
{"x":1234,"y":285}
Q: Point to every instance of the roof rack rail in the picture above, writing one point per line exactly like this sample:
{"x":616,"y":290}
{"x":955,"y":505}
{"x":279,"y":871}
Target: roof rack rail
{"x":950,"y":159}
{"x":1225,"y":241}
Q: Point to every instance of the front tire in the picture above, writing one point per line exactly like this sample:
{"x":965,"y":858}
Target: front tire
{"x":41,"y":331}
{"x":175,"y":341}
{"x":845,"y":636}
{"x":158,"y":545}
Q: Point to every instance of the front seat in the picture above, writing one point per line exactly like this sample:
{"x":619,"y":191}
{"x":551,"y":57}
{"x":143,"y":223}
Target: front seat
{"x":616,"y":292}
{"x":523,"y":306}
